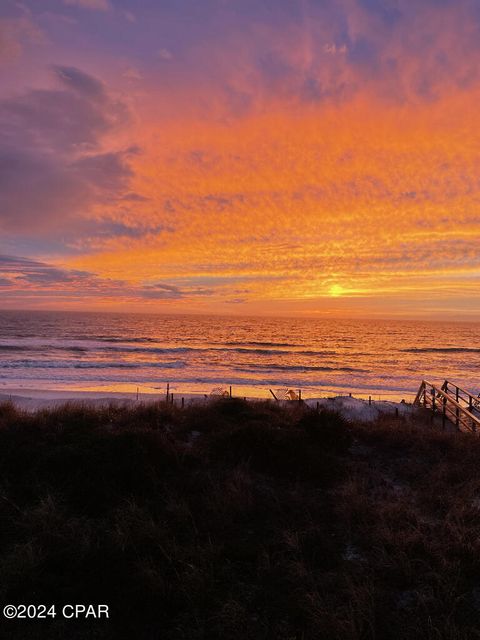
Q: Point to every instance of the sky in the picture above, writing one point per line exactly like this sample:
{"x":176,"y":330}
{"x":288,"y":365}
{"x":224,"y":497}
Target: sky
{"x":278,"y":157}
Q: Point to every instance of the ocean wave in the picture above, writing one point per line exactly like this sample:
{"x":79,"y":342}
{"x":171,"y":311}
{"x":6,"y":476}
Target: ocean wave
{"x":260,"y":344}
{"x":317,"y":354}
{"x":58,"y":364}
{"x":250,"y":350}
{"x":118,"y":339}
{"x":91,"y":346}
{"x":129,"y":348}
{"x":298,"y":368}
{"x":44,"y":347}
{"x":167,"y":350}
{"x":441,"y":350}
{"x":153,"y":350}
{"x":277,"y":352}
{"x":135,"y":346}
{"x":268,"y":352}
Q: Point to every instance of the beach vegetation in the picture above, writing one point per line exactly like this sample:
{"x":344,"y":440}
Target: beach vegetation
{"x":239,"y":520}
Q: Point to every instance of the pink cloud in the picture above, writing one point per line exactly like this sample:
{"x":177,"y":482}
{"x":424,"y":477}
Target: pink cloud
{"x":15,"y":34}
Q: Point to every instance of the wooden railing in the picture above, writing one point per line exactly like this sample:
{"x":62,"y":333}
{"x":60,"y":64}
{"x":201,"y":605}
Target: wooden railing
{"x":450,"y":402}
{"x":470,"y":402}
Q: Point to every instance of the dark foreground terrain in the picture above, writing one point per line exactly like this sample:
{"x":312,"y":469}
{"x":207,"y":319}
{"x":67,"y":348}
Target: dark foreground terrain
{"x":234,"y":521}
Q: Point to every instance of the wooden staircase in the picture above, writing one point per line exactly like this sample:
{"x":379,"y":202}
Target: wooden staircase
{"x":451,"y":403}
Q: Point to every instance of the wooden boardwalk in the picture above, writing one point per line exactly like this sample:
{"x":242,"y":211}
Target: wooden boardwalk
{"x":452,"y":404}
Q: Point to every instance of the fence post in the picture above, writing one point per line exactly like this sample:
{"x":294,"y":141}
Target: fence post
{"x":168,"y":391}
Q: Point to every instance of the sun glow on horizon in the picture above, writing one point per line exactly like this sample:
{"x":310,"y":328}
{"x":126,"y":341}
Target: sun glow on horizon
{"x":336,"y":290}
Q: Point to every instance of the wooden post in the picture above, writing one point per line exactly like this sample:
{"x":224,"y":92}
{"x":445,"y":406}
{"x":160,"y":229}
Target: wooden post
{"x":171,"y":397}
{"x":230,"y":391}
{"x":444,"y":413}
{"x":396,"y":412}
{"x":183,"y":402}
{"x":318,"y":406}
{"x":137,"y":394}
{"x":168,"y":391}
{"x":299,"y":395}
{"x":369,"y":400}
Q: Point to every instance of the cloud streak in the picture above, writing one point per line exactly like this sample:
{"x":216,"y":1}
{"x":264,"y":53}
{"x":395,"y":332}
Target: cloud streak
{"x":24,"y":278}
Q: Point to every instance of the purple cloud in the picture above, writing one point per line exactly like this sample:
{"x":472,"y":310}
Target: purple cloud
{"x":81,"y":82}
{"x":51,"y":169}
{"x":20,"y":276}
{"x":23,"y":270}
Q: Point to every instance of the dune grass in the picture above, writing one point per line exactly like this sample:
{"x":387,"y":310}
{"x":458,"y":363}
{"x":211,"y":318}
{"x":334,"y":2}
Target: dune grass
{"x":239,"y":520}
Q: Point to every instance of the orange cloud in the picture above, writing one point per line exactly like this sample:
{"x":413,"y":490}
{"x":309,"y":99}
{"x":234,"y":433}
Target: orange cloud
{"x":380,"y":200}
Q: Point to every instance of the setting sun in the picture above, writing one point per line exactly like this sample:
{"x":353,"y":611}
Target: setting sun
{"x":336,"y":290}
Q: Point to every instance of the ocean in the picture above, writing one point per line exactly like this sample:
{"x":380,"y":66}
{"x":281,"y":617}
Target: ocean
{"x":119,"y":352}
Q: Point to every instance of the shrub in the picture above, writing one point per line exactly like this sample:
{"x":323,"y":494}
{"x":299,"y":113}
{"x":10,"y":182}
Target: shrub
{"x":327,"y":429}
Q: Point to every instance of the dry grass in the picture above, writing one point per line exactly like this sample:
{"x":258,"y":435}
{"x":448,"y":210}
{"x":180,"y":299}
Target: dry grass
{"x":238,"y":521}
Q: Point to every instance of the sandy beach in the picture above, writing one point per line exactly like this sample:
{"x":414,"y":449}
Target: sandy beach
{"x":351,"y":408}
